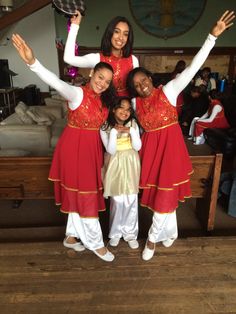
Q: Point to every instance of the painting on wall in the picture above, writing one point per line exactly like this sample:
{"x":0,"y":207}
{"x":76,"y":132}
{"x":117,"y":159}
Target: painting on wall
{"x":166,"y":18}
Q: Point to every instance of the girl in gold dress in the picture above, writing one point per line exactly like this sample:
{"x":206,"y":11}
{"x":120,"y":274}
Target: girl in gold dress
{"x":120,"y":136}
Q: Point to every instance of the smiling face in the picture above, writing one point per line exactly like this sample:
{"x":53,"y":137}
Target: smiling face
{"x":143,"y":84}
{"x":100,"y":80}
{"x":119,"y":37}
{"x":123,"y":112}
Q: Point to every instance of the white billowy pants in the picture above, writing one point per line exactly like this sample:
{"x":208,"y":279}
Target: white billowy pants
{"x":164,"y":227}
{"x":197,"y":139}
{"x":88,"y":230}
{"x":124,"y":217}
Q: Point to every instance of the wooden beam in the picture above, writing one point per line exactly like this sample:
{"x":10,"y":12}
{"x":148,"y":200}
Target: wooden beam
{"x":21,"y":12}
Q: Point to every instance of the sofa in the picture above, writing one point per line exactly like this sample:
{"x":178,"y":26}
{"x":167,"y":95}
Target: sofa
{"x":32,"y":130}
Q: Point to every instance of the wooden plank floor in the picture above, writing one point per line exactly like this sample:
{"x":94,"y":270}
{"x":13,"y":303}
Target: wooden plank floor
{"x":195,"y":275}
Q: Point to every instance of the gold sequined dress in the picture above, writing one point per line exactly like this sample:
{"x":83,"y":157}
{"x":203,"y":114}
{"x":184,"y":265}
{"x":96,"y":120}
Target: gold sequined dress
{"x":122,"y":170}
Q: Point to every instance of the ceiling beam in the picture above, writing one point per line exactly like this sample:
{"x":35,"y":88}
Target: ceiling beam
{"x":21,"y":12}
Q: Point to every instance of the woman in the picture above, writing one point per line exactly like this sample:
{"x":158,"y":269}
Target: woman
{"x":116,"y":49}
{"x":166,"y":166}
{"x":78,"y":157}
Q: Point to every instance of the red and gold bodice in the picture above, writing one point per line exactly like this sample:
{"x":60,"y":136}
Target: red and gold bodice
{"x":91,"y":114}
{"x":155,"y":111}
{"x":121,"y":67}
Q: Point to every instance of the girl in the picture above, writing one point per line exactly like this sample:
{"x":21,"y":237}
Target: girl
{"x":120,"y":136}
{"x":213,"y":118}
{"x":78,"y":158}
{"x":116,"y":49}
{"x":166,"y":166}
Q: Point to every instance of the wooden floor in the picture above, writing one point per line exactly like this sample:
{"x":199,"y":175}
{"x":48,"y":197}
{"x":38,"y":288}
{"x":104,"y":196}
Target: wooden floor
{"x":195,"y":275}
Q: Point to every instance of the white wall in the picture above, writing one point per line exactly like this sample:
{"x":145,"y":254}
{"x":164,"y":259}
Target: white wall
{"x":38,"y":30}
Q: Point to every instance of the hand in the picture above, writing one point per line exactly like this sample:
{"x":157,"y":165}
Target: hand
{"x":25,"y":52}
{"x":223,"y":23}
{"x":76,"y":19}
{"x":122,"y":128}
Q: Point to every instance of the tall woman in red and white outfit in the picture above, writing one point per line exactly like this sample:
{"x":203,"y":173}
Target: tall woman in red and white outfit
{"x":116,"y":49}
{"x":165,"y":163}
{"x":78,"y":156}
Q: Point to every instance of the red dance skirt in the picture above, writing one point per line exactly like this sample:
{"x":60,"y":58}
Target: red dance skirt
{"x":165,"y":169}
{"x":76,"y":172}
{"x":220,"y":123}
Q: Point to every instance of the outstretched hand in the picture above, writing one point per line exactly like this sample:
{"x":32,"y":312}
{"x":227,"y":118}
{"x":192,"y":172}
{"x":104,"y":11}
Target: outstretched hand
{"x":76,"y":19}
{"x":25,"y":52}
{"x":223,"y":23}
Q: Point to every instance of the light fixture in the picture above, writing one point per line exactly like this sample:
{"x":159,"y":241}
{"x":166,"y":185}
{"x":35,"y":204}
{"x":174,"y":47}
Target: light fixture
{"x":6,"y":5}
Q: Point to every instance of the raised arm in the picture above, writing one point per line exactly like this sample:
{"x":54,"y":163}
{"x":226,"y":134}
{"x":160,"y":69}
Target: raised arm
{"x":86,"y":61}
{"x":71,"y":93}
{"x":174,"y":87}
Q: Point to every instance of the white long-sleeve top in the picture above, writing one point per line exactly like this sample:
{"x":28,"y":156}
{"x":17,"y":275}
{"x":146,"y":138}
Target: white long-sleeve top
{"x":73,"y":94}
{"x":207,"y":118}
{"x":109,"y":139}
{"x":86,"y":61}
{"x":175,"y":86}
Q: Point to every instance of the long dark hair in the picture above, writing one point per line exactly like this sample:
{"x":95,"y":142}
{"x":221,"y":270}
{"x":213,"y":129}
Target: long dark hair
{"x":110,"y":94}
{"x":106,"y":45}
{"x":130,"y":80}
{"x":111,"y":121}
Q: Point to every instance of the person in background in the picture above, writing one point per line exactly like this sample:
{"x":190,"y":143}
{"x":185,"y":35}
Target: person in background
{"x":116,"y":49}
{"x":214,"y":117}
{"x":78,"y":156}
{"x":121,"y":139}
{"x":165,"y":162}
{"x":196,"y":103}
{"x":206,"y":79}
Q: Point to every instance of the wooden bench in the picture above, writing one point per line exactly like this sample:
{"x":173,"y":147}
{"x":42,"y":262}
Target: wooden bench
{"x":24,"y":178}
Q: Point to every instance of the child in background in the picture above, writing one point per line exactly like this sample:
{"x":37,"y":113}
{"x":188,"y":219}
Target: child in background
{"x":120,"y":136}
{"x":213,"y":118}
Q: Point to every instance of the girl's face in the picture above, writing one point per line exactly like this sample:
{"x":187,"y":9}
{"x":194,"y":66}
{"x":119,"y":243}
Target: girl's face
{"x":120,"y":36}
{"x":100,"y":80}
{"x":123,"y":112}
{"x":143,"y":84}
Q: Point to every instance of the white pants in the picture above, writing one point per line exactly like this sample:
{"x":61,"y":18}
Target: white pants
{"x":197,"y":139}
{"x":124,"y":217}
{"x":164,"y":227}
{"x":192,"y":126}
{"x":88,"y":230}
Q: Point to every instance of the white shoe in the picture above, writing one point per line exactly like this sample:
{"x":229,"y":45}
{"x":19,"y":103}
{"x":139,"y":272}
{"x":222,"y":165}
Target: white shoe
{"x":78,"y":246}
{"x":114,"y":241}
{"x":168,"y":242}
{"x":133,"y":244}
{"x":107,"y":257}
{"x":199,"y":140}
{"x":147,"y":253}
